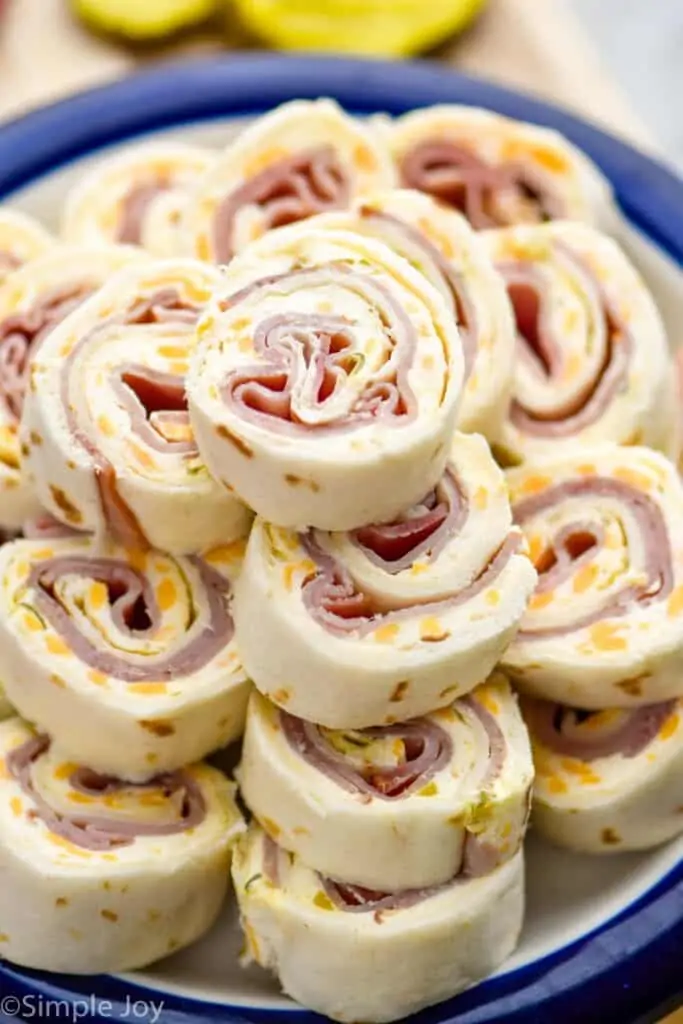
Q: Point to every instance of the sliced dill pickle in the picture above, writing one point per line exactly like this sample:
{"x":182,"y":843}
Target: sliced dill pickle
{"x":372,"y":27}
{"x":143,"y":20}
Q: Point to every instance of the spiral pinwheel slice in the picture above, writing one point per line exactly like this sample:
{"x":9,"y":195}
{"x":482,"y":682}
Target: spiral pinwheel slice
{"x":106,"y":432}
{"x":441,"y":245}
{"x":301,"y":159}
{"x":494,"y":170}
{"x":399,"y":806}
{"x":593,"y":362}
{"x":117,"y":874}
{"x":127,"y":660}
{"x":325,"y":384}
{"x":356,"y":954}
{"x":604,"y":628}
{"x":138,"y":197}
{"x":33,"y":300}
{"x":390,"y":621}
{"x":607,"y":780}
{"x":22,"y":239}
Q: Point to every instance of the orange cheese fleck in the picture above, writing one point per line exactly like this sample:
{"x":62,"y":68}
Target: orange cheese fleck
{"x":385,"y":634}
{"x":674,"y":606}
{"x":431,"y":630}
{"x":99,"y":595}
{"x":56,"y":645}
{"x":585,"y":578}
{"x":106,"y":426}
{"x":481,"y":498}
{"x":17,"y":806}
{"x":669,"y":727}
{"x":167,"y":594}
{"x":606,"y":637}
{"x":534,"y":484}
{"x":541,"y":600}
{"x":640,"y":481}
{"x":147,"y":689}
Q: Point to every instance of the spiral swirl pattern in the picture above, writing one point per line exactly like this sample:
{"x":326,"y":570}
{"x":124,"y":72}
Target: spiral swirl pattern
{"x":326,"y":381}
{"x":299,"y":160}
{"x":592,"y":359}
{"x":138,"y":197}
{"x":605,"y":627}
{"x":106,"y":431}
{"x":141,"y":866}
{"x":607,"y":780}
{"x":392,"y":620}
{"x":127,"y":662}
{"x":494,"y":170}
{"x":404,"y":806}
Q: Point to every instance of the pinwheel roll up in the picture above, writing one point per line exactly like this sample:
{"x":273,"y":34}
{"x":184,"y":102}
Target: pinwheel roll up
{"x":355,"y":954}
{"x":607,"y":780}
{"x":100,"y":874}
{"x":106,"y":433}
{"x":592,"y":361}
{"x":604,"y":628}
{"x":33,"y":300}
{"x":138,"y":197}
{"x":126,"y":660}
{"x":326,"y":379}
{"x":383,"y":623}
{"x":398,"y":806}
{"x":21,"y":239}
{"x":494,"y":170}
{"x":301,"y":159}
{"x":440,"y":244}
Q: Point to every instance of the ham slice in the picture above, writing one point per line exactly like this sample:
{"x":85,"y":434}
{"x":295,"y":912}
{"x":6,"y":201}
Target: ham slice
{"x":538,"y":344}
{"x":489,"y":196}
{"x":151,"y":398}
{"x":427,"y":749}
{"x":21,"y":335}
{"x":311,"y":355}
{"x":98,"y":832}
{"x":334,"y":601}
{"x":571,"y":732}
{"x":287,"y":191}
{"x":134,"y":207}
{"x":579,"y":540}
{"x":421,"y":533}
{"x":134,"y":612}
{"x":452,"y":282}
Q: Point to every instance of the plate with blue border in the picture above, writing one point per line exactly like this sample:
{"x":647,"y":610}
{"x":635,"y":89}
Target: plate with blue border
{"x":603,"y":942}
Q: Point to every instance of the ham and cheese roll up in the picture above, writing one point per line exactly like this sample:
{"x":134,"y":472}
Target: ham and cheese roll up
{"x":604,"y":628}
{"x":106,"y":431}
{"x":592,"y":360}
{"x":33,"y":300}
{"x":398,"y":806}
{"x":326,"y":379}
{"x":494,"y":170}
{"x":127,"y":660}
{"x":607,"y":780}
{"x":22,"y":239}
{"x":102,"y":875}
{"x":390,"y":621}
{"x":355,"y":954}
{"x":138,"y":197}
{"x":441,"y":245}
{"x":299,"y":160}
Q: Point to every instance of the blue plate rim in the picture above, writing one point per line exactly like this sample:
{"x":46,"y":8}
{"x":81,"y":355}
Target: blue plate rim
{"x":628,"y":968}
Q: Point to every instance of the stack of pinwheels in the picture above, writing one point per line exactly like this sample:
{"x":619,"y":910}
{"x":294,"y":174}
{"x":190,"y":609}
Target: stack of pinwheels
{"x":330,"y":442}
